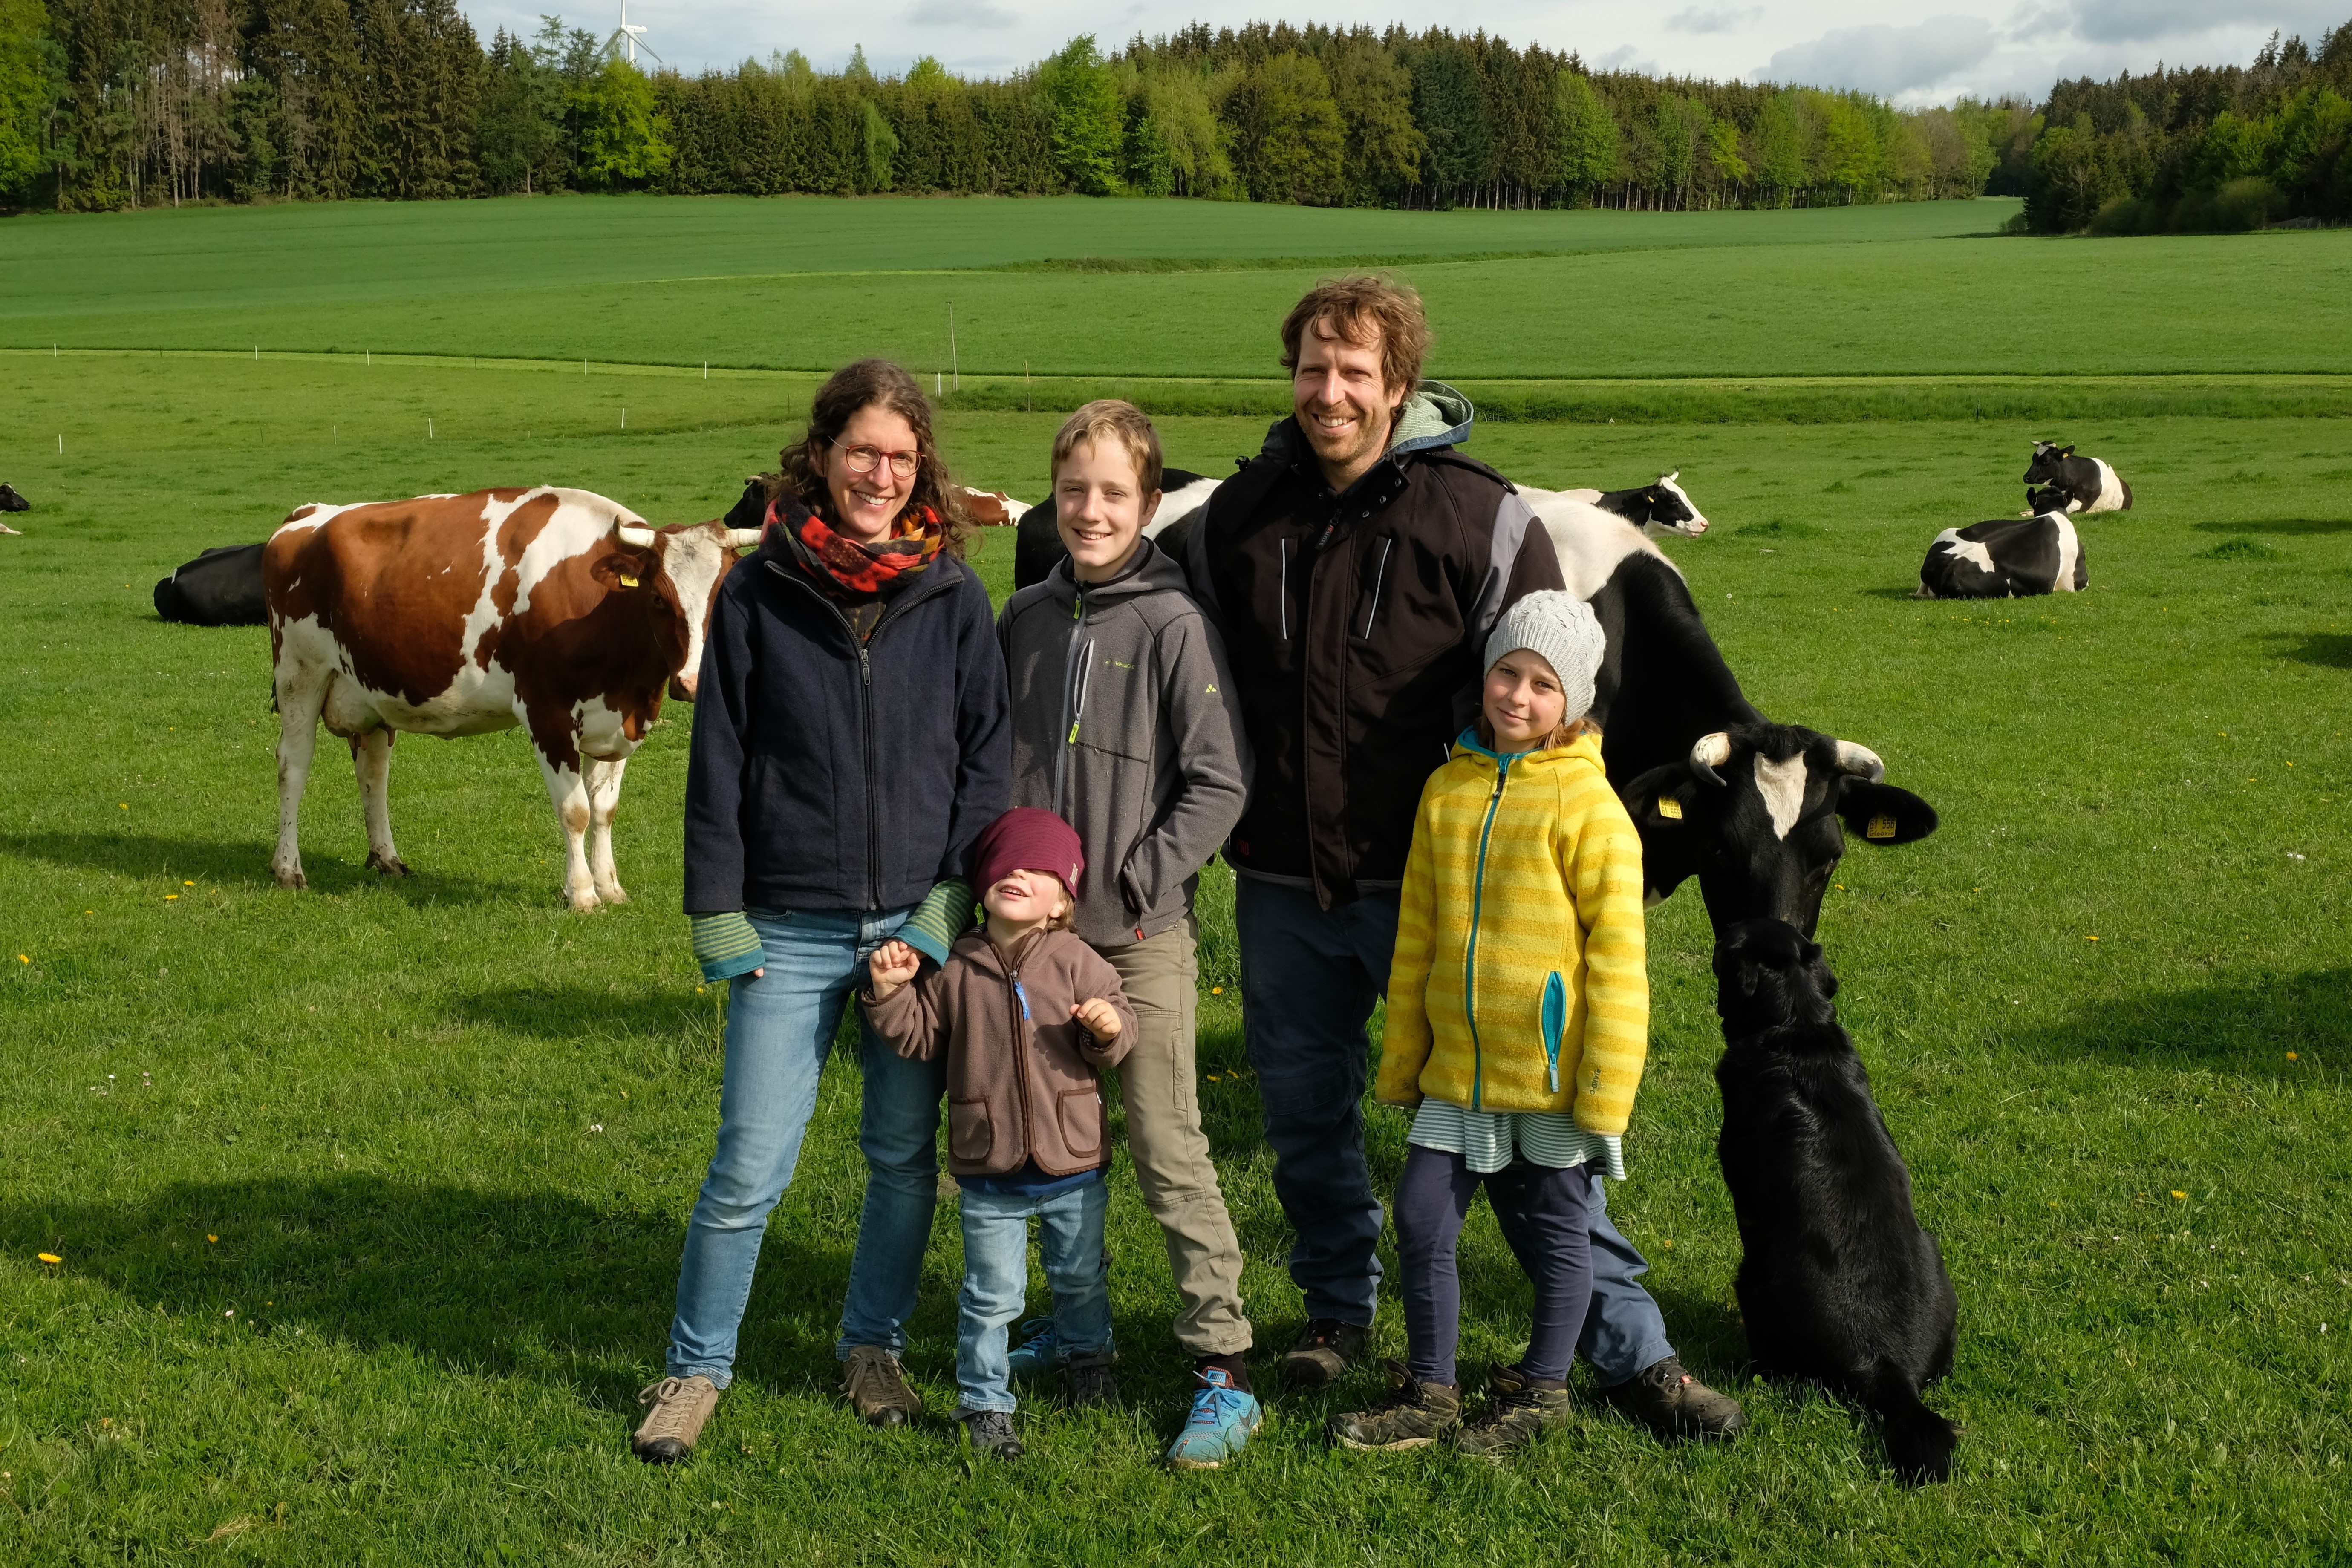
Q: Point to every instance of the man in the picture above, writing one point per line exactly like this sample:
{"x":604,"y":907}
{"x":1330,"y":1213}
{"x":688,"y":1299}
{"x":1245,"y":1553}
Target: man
{"x":1356,"y":566}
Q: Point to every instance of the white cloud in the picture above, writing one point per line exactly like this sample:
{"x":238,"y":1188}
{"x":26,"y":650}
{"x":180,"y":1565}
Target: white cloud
{"x":962,"y":14}
{"x":2144,"y":21}
{"x":1624,"y":57}
{"x":1887,"y":60}
{"x":1720,"y":19}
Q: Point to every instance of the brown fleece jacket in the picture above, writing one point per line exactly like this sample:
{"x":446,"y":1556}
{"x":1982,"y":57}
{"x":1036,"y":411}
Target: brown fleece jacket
{"x":1020,"y":1088}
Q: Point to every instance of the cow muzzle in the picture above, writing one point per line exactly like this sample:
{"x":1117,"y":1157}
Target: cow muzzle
{"x":682,"y":688}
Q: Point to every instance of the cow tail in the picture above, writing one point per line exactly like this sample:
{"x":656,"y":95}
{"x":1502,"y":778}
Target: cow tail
{"x":1918,"y":1441}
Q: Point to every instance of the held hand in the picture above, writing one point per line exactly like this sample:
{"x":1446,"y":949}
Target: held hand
{"x":1098,"y":1018}
{"x":893,"y":964}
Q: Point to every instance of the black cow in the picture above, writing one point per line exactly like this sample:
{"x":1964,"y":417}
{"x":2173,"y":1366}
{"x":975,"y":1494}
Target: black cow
{"x":2088,"y":484}
{"x":1037,"y":545}
{"x":1657,"y":509}
{"x":12,"y":502}
{"x":1837,"y":1281}
{"x":221,"y":587}
{"x":2005,"y":558}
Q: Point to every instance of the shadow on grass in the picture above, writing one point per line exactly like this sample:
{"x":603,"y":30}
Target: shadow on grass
{"x":509,"y":1284}
{"x":564,"y":1012}
{"x":2279,"y":526}
{"x":1910,"y":593}
{"x":2248,"y":1024}
{"x":2331,"y":649}
{"x":245,"y":863}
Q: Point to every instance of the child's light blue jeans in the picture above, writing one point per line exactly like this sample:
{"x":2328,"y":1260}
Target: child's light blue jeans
{"x":996,"y":1281}
{"x":780,"y":1028}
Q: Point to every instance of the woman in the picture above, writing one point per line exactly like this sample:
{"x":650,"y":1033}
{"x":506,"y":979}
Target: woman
{"x":850,"y":742}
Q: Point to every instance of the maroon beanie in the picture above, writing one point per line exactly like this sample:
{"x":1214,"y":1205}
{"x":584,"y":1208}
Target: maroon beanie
{"x":1028,"y":838}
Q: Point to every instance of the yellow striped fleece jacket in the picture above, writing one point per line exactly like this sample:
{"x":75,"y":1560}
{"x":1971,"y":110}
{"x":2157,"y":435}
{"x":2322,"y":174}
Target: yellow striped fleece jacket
{"x":1520,"y":980}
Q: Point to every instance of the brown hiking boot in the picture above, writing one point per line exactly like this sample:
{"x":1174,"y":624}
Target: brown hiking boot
{"x":1327,"y":1349}
{"x":1672,"y":1403}
{"x":680,"y":1407}
{"x":1413,"y":1415}
{"x":877,"y":1388}
{"x":1519,"y":1414}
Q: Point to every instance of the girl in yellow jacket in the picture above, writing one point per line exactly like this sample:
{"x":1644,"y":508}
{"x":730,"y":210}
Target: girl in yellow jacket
{"x":1519,"y":1018}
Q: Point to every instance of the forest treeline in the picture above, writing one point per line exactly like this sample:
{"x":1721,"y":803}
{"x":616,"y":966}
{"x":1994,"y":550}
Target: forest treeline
{"x":108,"y":104}
{"x":2200,"y":148}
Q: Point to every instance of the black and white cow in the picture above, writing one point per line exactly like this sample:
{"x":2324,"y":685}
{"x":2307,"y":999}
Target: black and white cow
{"x":221,"y":587}
{"x":2005,"y":559}
{"x":1037,"y":545}
{"x":1658,"y":510}
{"x":1767,"y":834}
{"x":2087,"y":483}
{"x":12,"y":502}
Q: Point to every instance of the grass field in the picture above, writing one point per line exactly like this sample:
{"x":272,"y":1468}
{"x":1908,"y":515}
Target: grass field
{"x":348,"y":1275}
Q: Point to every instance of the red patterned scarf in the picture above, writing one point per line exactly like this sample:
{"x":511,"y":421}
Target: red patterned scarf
{"x":856,"y":569}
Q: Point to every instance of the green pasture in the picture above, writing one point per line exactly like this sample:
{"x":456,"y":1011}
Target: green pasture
{"x":805,"y":285}
{"x":369,"y":1199}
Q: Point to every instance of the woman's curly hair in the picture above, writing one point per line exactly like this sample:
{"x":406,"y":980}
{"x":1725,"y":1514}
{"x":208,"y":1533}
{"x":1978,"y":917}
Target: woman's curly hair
{"x":871,"y":384}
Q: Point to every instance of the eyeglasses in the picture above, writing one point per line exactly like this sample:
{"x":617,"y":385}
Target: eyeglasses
{"x":865,"y":459}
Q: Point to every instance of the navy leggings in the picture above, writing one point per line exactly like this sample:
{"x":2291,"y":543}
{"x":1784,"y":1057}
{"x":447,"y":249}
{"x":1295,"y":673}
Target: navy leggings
{"x":1544,"y":1214}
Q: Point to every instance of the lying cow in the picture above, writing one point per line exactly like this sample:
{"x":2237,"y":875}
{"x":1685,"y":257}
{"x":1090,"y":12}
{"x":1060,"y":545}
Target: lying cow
{"x":556,"y":609}
{"x":2005,"y":559}
{"x":12,"y":502}
{"x":221,"y":587}
{"x":1037,"y":549}
{"x":1658,"y":510}
{"x":2087,"y":483}
{"x":991,"y":509}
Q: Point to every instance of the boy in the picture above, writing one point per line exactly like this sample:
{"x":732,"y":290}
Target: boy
{"x":1124,"y":726}
{"x":1026,"y":1014}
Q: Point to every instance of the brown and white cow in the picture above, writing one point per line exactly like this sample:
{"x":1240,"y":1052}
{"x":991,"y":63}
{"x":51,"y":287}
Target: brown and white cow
{"x":552,"y":609}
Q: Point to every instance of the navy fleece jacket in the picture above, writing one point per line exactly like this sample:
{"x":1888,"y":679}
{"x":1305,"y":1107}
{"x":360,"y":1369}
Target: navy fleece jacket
{"x":827,"y":775}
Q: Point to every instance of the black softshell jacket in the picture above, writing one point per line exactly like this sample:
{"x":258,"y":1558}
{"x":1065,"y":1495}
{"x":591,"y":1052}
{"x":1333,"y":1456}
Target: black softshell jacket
{"x":1356,"y":625}
{"x":828,"y":774}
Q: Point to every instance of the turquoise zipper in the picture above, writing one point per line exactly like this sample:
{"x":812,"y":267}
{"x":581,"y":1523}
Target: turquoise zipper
{"x":1470,"y":957}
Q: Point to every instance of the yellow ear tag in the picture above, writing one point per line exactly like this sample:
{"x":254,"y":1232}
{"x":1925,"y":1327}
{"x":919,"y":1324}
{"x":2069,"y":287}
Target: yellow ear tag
{"x":1880,"y":828}
{"x":1670,"y":807}
{"x":628,"y":582}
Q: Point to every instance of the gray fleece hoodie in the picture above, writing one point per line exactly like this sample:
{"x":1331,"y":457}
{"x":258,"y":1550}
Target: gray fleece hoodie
{"x":1125,"y":725}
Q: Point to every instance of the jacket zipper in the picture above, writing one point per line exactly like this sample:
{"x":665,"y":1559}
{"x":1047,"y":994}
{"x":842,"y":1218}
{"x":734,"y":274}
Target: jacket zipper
{"x":1379,"y":578}
{"x":1021,"y":1067}
{"x":1074,"y":693}
{"x":1470,"y":956}
{"x":1284,"y":546}
{"x":866,"y":721}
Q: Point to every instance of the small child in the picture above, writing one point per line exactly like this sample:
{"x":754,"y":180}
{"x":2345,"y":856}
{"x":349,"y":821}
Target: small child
{"x":1125,"y":725}
{"x":1027,"y":1014}
{"x":1518,"y":1022}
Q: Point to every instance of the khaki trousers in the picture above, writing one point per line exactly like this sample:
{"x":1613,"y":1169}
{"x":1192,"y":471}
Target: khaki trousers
{"x":1161,"y":976}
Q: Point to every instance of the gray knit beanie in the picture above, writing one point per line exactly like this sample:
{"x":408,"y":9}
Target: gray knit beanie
{"x":1563,"y":629}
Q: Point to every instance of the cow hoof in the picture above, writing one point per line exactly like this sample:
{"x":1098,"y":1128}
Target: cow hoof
{"x":613,"y":895}
{"x":390,"y":865}
{"x":584,"y":902}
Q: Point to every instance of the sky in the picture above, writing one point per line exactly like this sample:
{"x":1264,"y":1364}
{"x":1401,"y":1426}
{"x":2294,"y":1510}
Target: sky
{"x":1914,"y":54}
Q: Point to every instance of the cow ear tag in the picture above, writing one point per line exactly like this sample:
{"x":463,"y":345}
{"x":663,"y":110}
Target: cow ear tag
{"x":629,"y":582}
{"x":1670,"y":807}
{"x":1880,"y":827}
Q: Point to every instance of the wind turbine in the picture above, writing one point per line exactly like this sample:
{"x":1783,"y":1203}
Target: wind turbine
{"x":626,"y":35}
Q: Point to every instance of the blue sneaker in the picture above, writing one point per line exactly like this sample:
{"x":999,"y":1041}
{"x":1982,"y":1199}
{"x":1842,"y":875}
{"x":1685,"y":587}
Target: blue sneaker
{"x":1038,"y":1355}
{"x":1222,"y":1421}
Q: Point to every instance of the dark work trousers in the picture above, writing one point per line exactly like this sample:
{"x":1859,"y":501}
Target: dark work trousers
{"x":1309,"y":978}
{"x":1545,"y":1214}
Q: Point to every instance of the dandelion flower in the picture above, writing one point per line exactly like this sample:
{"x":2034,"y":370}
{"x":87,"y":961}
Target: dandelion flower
{"x":49,"y":1257}
{"x":1216,"y":990}
{"x":2090,"y":939}
{"x":24,"y":958}
{"x":2178,"y":1193}
{"x":2291,"y":1056}
{"x":1665,"y":1244}
{"x":210,"y":1236}
{"x":171,"y":898}
{"x":187,"y":884}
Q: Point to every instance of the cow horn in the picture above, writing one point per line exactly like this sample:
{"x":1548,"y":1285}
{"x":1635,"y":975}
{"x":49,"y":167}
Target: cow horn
{"x":1860,"y":762}
{"x":636,"y":535}
{"x":743,"y":538}
{"x":1706,"y":753}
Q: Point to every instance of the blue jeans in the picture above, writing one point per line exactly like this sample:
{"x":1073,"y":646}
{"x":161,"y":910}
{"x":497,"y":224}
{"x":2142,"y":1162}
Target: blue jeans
{"x":996,"y":1283}
{"x":780,"y":1028}
{"x":1309,"y":978}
